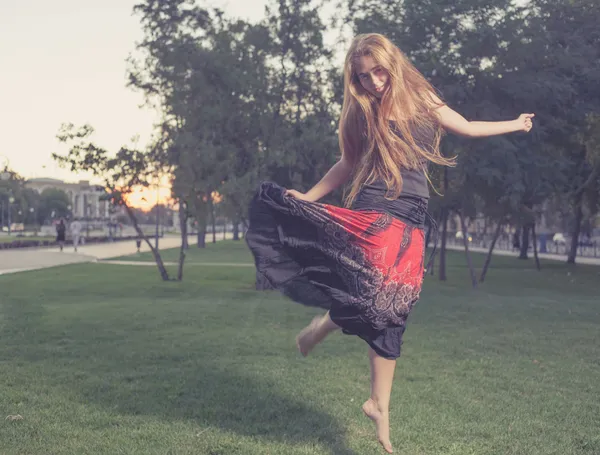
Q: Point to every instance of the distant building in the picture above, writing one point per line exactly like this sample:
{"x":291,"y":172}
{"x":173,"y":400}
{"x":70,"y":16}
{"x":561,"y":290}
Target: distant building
{"x":85,"y":198}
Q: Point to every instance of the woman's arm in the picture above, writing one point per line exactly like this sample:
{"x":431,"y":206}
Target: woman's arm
{"x":336,"y":176}
{"x":456,"y":123}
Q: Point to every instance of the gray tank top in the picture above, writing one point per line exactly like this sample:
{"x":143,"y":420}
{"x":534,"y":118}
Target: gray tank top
{"x":414,"y":181}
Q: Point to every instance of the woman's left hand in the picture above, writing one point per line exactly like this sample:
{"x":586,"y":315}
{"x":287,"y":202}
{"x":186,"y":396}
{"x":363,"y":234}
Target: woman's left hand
{"x":525,"y":123}
{"x":297,"y":195}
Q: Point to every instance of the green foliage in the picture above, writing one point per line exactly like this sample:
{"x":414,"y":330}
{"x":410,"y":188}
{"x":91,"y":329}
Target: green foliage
{"x":26,"y":202}
{"x":54,"y":203}
{"x":303,"y":145}
{"x":491,"y":61}
{"x":121,"y":172}
{"x":197,"y":71}
{"x":241,"y":102}
{"x":454,"y":44}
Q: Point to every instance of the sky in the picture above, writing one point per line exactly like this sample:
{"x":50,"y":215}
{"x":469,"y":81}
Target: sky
{"x":64,"y":61}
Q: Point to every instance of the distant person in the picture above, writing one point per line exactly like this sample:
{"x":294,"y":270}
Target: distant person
{"x":364,"y":263}
{"x":76,"y":228}
{"x":61,"y":231}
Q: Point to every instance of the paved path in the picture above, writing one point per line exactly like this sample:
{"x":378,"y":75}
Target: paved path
{"x":550,"y":256}
{"x":210,"y":264}
{"x":19,"y":260}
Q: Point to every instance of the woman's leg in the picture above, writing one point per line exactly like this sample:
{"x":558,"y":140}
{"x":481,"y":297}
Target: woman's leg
{"x":377,"y":406}
{"x":314,"y":333}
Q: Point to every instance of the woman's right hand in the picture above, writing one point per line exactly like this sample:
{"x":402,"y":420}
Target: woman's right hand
{"x":525,"y":123}
{"x":297,"y":195}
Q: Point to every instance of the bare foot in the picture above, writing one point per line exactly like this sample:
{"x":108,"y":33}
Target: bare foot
{"x":305,"y":339}
{"x":382,"y":423}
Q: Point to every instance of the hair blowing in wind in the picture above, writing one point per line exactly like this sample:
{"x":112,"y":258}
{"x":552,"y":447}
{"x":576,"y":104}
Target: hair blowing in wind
{"x":366,"y":133}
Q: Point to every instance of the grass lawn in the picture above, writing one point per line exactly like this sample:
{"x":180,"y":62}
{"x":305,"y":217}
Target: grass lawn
{"x":224,"y":251}
{"x":106,"y":359}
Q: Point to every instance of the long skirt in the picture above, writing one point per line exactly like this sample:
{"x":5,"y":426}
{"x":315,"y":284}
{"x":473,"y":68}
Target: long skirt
{"x":365,"y":266}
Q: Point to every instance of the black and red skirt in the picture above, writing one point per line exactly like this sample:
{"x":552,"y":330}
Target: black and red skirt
{"x":365,"y":264}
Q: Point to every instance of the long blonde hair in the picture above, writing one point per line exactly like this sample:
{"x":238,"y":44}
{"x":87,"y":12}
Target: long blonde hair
{"x":375,"y":147}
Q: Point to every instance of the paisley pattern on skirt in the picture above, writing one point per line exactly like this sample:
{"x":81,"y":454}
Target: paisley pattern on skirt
{"x":365,"y":266}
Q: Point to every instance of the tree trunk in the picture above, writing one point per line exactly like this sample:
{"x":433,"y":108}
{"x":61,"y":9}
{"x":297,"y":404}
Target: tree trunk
{"x":246,"y":225}
{"x":184,"y":213}
{"x":576,"y":228}
{"x":202,"y":235}
{"x":442,"y":274}
{"x":213,"y":222}
{"x":488,"y":259}
{"x":236,"y":229}
{"x":428,"y":238}
{"x":535,"y":251}
{"x":524,"y":242}
{"x":485,"y":229}
{"x":444,"y":215}
{"x":467,"y":254}
{"x":184,"y":242}
{"x":159,"y":263}
{"x":224,"y":229}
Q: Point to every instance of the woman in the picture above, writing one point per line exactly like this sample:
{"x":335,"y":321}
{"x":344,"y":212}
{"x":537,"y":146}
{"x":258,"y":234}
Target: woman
{"x":365,"y":263}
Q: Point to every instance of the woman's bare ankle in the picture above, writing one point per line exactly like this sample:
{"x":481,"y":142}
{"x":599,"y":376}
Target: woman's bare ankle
{"x":306,"y":341}
{"x":378,"y":406}
{"x":380,"y":416}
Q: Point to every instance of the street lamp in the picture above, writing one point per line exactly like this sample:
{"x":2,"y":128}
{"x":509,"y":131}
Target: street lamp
{"x":11,"y":201}
{"x":32,"y":218}
{"x":4,"y":173}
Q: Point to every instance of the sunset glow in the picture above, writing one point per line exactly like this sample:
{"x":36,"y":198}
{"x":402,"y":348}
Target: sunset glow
{"x":146,"y":198}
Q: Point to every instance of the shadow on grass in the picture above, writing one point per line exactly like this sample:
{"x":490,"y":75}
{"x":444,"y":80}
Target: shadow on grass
{"x":134,"y":371}
{"x":217,"y":398}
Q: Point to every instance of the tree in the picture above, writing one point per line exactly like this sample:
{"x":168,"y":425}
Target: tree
{"x":493,"y":60}
{"x":54,"y":203}
{"x":302,"y":133}
{"x":10,"y":189}
{"x":551,"y":64}
{"x":206,"y":74}
{"x":30,"y":206}
{"x":26,"y":206}
{"x":588,"y":190}
{"x":241,"y":102}
{"x":127,"y":169}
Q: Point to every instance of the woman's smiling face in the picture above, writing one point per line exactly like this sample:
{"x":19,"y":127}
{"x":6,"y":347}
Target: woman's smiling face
{"x":372,"y":76}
